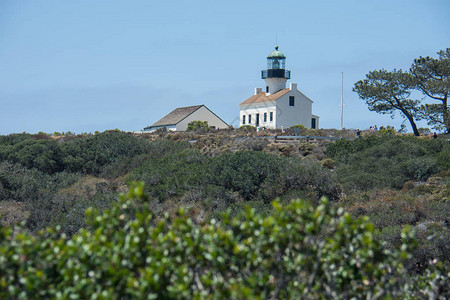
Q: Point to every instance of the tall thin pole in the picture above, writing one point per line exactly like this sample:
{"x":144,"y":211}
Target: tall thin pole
{"x":342,"y":101}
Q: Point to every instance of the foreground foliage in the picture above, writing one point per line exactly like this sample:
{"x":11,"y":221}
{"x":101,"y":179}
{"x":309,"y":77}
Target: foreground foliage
{"x":297,"y":251}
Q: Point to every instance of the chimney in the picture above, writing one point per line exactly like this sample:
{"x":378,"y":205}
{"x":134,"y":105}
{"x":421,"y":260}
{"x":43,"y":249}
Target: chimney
{"x":293,"y":86}
{"x":257,"y":91}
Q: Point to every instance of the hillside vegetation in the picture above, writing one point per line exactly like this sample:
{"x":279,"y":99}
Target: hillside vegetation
{"x":394,"y":181}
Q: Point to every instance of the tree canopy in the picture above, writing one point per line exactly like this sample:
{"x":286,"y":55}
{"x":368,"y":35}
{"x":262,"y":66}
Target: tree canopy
{"x":387,"y":92}
{"x":432,"y":79}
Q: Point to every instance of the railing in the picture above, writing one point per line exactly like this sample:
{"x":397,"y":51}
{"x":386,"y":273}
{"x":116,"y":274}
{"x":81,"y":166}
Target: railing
{"x":275,"y":73}
{"x":309,"y":137}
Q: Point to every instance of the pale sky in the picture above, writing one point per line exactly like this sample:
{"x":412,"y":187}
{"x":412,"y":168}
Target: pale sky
{"x":90,"y":65}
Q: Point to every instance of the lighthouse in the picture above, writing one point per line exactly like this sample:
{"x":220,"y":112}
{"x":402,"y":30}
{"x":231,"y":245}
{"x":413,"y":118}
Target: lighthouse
{"x":276,"y":75}
{"x":279,"y":106}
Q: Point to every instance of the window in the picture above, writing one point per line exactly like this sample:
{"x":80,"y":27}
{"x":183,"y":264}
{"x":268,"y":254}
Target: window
{"x":271,"y":116}
{"x":249,"y":119}
{"x":243,"y":119}
{"x":265,"y":117}
{"x":313,"y":123}
{"x":267,"y":89}
{"x":291,"y":100}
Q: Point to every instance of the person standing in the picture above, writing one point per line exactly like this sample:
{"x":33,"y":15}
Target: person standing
{"x":358,"y":133}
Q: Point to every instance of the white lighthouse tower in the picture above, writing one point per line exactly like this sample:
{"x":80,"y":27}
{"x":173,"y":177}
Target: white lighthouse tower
{"x":278,"y":106}
{"x":275,"y":75}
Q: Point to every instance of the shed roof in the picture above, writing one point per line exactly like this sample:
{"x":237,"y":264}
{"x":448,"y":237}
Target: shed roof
{"x":177,"y":115}
{"x":262,"y":97}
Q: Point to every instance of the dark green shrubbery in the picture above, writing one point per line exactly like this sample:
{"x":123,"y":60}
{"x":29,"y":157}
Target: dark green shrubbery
{"x":90,"y":154}
{"x":18,"y":183}
{"x":87,"y":154}
{"x":12,"y":139}
{"x":296,"y":251}
{"x":251,"y":174}
{"x":43,"y":169}
{"x":373,"y":162}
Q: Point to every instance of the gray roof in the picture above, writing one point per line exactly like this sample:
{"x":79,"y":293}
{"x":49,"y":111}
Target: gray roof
{"x":176,"y":115}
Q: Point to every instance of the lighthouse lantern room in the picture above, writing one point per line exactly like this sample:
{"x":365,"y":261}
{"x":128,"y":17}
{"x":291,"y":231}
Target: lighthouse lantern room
{"x":276,"y":75}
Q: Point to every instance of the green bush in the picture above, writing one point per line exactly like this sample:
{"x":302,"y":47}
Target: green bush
{"x":91,"y":153}
{"x":251,"y":174}
{"x":387,"y":161}
{"x":296,"y":251}
{"x":83,"y":154}
{"x":12,"y":139}
{"x":328,"y":163}
{"x":20,"y":184}
{"x":198,"y":126}
{"x":386,"y":131}
{"x":247,"y":128}
{"x":420,"y":168}
{"x":245,"y":172}
{"x":299,"y":126}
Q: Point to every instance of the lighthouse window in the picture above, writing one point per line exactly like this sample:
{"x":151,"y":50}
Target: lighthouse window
{"x":271,"y":116}
{"x":267,"y":89}
{"x":243,"y":119}
{"x":249,"y":119}
{"x":291,"y":100}
{"x":265,"y":117}
{"x":276,"y":64}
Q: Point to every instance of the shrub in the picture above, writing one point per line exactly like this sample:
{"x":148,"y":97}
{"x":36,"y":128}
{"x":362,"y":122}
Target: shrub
{"x":420,"y":168}
{"x":375,"y":162}
{"x":247,"y":128}
{"x":328,"y":163}
{"x":424,"y":131}
{"x":299,"y":126}
{"x":88,"y":154}
{"x":244,"y":172}
{"x":386,"y":131}
{"x":21,"y":184}
{"x":12,"y":139}
{"x":296,"y":251}
{"x":198,"y":126}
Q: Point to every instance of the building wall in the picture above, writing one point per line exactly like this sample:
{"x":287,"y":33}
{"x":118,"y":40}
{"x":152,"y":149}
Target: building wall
{"x":300,"y":113}
{"x":317,"y":121}
{"x":202,"y":114}
{"x":258,"y":108}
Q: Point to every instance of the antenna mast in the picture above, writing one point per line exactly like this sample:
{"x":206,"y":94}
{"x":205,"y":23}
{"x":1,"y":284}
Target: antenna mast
{"x":342,"y":101}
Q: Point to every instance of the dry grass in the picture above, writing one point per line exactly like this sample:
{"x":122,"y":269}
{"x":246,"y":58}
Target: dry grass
{"x":12,"y":212}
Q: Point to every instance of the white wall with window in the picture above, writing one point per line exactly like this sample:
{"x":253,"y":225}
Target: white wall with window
{"x":261,"y":112}
{"x":293,"y":108}
{"x":289,"y":107}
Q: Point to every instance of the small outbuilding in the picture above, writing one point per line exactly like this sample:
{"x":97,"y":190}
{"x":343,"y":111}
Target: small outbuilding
{"x":179,"y":119}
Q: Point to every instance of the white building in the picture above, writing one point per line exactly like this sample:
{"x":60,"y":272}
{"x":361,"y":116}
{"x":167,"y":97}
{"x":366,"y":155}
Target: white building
{"x":179,"y":119}
{"x":278,"y":106}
